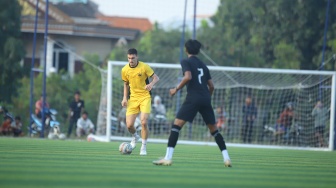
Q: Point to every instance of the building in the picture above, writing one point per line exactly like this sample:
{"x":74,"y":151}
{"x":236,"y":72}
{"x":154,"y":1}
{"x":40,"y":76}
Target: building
{"x":142,"y":24}
{"x":74,"y":31}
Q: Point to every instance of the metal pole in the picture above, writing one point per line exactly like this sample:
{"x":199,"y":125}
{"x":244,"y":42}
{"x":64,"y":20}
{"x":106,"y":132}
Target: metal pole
{"x":194,"y":25}
{"x":109,"y":101}
{"x":45,"y":65}
{"x":181,"y":53}
{"x":32,"y":69}
{"x":324,"y":46}
{"x":183,"y":31}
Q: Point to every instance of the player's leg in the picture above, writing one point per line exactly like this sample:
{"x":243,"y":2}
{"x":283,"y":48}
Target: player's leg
{"x":186,"y":113}
{"x":145,"y":108}
{"x":172,"y":140}
{"x":144,"y":132}
{"x":130,"y":119}
{"x":221,"y":144}
{"x":132,"y":112}
{"x":209,"y":118}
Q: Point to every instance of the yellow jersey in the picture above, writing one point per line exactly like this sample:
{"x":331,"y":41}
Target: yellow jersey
{"x":137,"y":77}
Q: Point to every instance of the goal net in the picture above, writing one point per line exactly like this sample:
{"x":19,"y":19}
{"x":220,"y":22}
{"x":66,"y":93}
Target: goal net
{"x":253,"y":107}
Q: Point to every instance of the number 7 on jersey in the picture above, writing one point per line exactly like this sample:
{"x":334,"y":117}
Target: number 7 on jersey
{"x":200,"y":75}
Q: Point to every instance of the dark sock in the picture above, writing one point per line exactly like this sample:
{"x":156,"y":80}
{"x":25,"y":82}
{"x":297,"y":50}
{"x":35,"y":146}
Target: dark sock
{"x":219,"y":140}
{"x":174,"y":134}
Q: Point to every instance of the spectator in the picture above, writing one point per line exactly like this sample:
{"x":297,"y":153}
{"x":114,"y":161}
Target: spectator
{"x":76,"y":108}
{"x":320,"y":114}
{"x":158,"y":118}
{"x":39,"y":106}
{"x":5,"y":113}
{"x":220,"y":118}
{"x":285,"y":121}
{"x":84,"y":125}
{"x":249,"y":115}
{"x":5,"y":128}
{"x":158,"y":107}
{"x":17,"y":127}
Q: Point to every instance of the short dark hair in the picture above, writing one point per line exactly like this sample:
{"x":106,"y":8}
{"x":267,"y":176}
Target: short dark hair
{"x":132,"y":51}
{"x":85,"y":112}
{"x":193,"y":46}
{"x":77,"y":93}
{"x":18,"y":118}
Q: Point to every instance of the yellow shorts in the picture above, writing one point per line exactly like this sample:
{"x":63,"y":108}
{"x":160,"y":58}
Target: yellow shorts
{"x":136,"y":105}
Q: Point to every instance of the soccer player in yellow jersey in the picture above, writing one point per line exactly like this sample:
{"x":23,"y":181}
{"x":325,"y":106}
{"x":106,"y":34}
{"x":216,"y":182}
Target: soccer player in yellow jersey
{"x":135,"y":76}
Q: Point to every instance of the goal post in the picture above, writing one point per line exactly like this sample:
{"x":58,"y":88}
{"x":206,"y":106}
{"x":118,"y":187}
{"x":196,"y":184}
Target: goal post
{"x":270,"y":91}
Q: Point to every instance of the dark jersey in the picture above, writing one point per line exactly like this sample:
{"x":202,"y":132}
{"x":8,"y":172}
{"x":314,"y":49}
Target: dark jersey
{"x":76,"y":108}
{"x":197,"y":87}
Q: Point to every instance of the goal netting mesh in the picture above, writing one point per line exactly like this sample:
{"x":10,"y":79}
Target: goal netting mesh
{"x":253,"y":107}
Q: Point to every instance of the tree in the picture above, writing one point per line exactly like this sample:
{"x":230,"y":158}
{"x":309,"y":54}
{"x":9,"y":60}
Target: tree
{"x":157,"y":45}
{"x":11,"y":49}
{"x":261,"y":33}
{"x":60,"y":91}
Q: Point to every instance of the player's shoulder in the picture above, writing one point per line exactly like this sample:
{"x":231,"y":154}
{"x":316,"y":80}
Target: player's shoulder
{"x":125,"y":67}
{"x":184,"y":61}
{"x":143,"y":64}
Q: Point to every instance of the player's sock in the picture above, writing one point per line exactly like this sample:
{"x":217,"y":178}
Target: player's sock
{"x":221,"y":144}
{"x":225,"y":155}
{"x":173,"y":137}
{"x":144,"y":142}
{"x":169,"y":153}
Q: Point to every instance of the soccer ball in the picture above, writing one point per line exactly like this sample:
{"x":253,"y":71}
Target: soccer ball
{"x":62,"y":136}
{"x":52,"y":136}
{"x":125,"y":148}
{"x":90,"y":138}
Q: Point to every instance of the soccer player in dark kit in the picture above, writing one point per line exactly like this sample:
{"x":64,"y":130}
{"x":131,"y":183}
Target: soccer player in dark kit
{"x":199,"y":90}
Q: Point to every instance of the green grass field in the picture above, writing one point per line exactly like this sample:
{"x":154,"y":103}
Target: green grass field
{"x":26,"y":162}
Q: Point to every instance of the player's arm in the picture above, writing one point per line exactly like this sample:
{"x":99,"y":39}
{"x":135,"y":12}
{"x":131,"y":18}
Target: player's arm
{"x":155,"y":79}
{"x":186,"y":78}
{"x":126,"y":89}
{"x":211,"y":86}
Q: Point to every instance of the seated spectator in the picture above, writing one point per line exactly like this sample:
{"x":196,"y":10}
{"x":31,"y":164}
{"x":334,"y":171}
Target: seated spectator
{"x":84,"y":125}
{"x":5,"y":128}
{"x":220,"y":118}
{"x":5,"y":113}
{"x":285,"y":121}
{"x":158,"y":107}
{"x":158,"y":118}
{"x":39,"y":106}
{"x":17,"y":126}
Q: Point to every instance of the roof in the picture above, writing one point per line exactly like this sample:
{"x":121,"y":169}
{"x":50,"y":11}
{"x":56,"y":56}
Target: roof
{"x":99,"y":31}
{"x":83,"y":10}
{"x":54,"y":13}
{"x":142,"y":24}
{"x":76,"y":19}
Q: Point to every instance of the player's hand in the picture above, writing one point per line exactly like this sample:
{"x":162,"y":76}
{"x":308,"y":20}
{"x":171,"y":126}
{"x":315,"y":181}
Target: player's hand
{"x":172,"y":91}
{"x":124,"y":103}
{"x":148,"y":87}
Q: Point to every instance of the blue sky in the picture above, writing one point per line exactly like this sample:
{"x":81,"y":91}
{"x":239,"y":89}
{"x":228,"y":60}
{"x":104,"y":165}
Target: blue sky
{"x":156,"y":10}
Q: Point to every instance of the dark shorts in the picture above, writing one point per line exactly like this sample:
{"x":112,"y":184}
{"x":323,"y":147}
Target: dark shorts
{"x":319,"y":129}
{"x":191,"y":106}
